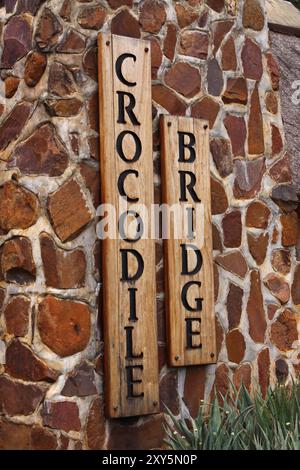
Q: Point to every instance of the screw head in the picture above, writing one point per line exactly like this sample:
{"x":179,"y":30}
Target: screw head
{"x":212,"y":355}
{"x":169,"y":124}
{"x":155,"y":403}
{"x":146,"y":49}
{"x":107,"y":43}
{"x":115,"y":408}
{"x":177,"y":358}
{"x":205,"y":126}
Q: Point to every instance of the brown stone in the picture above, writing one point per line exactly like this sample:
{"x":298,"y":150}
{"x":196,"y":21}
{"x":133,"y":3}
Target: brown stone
{"x":95,"y":428}
{"x":289,"y":223}
{"x":64,"y":108}
{"x":94,"y":145}
{"x":281,"y":370}
{"x":232,"y":229}
{"x":216,"y":281}
{"x":35,"y":66}
{"x":272,"y":309}
{"x":248,"y":176}
{"x":194,"y":44}
{"x":281,"y":261}
{"x":73,"y":43}
{"x":252,"y":60}
{"x":255,"y":309}
{"x":274,"y":72}
{"x":256,"y":144}
{"x":64,"y":325}
{"x":48,"y":30}
{"x":129,"y":435}
{"x":124,"y":24}
{"x":68,"y":210}
{"x":62,"y":269}
{"x":202,"y":22}
{"x":152,"y":15}
{"x":214,"y":78}
{"x":17,"y":398}
{"x":185,"y":15}
{"x":17,"y":262}
{"x":219,"y":31}
{"x":18,"y":207}
{"x":258,"y":246}
{"x":81,"y":382}
{"x":281,"y":170}
{"x":42,"y":439}
{"x":234,"y":305}
{"x":168,"y":100}
{"x":216,"y":5}
{"x":207,"y":109}
{"x":184,"y":79}
{"x":253,"y":15}
{"x":237,"y":132}
{"x":11,"y":86}
{"x":23,"y":364}
{"x":17,"y":37}
{"x":219,"y":201}
{"x":257,"y":215}
{"x":118,"y":3}
{"x":296,"y":286}
{"x":90,"y":174}
{"x":285,"y":196}
{"x":219,"y":336}
{"x":92,"y":17}
{"x":170,"y":41}
{"x":271,"y":102}
{"x":233,"y":262}
{"x":93,"y":111}
{"x":275,"y":235}
{"x":66,"y":9}
{"x":62,"y":415}
{"x":194,"y":386}
{"x":90,"y":63}
{"x":12,"y":126}
{"x":263,"y":364}
{"x":277,"y":144}
{"x":216,"y":236}
{"x":221,"y":384}
{"x":284,"y":331}
{"x":236,"y":91}
{"x":42,"y":153}
{"x":2,"y":297}
{"x":60,"y":82}
{"x":278,"y":286}
{"x":236,"y":347}
{"x":229,"y":61}
{"x":30,"y":6}
{"x":156,"y":56}
{"x":14,"y":436}
{"x":16,"y":315}
{"x":242,"y":376}
{"x":168,"y":392}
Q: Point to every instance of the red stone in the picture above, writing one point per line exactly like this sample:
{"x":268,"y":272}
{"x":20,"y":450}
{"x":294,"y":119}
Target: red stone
{"x":281,"y":370}
{"x":207,"y":109}
{"x":90,"y":175}
{"x":256,"y":144}
{"x":185,"y":15}
{"x":156,"y":57}
{"x":296,"y":286}
{"x":237,"y":132}
{"x":62,"y":269}
{"x":62,"y":415}
{"x":170,"y":41}
{"x":219,"y":201}
{"x":92,"y":17}
{"x":30,"y":6}
{"x":289,"y":223}
{"x":81,"y":382}
{"x":194,"y":386}
{"x":233,"y":262}
{"x":248,"y":176}
{"x":16,"y":315}
{"x":234,"y":305}
{"x":42,"y":439}
{"x":118,"y":3}
{"x":274,"y":72}
{"x":48,"y":30}
{"x":219,"y":335}
{"x":271,"y":102}
{"x":90,"y":63}
{"x":215,"y":81}
{"x":18,"y":207}
{"x":17,"y":37}
{"x":2,"y":297}
{"x":219,"y":31}
{"x":229,"y":61}
{"x":42,"y":153}
{"x":277,"y":144}
{"x":152,"y":15}
{"x":263,"y":363}
{"x":258,"y":246}
{"x":216,"y":5}
{"x":23,"y":364}
{"x":64,"y":325}
{"x":255,"y":309}
{"x":281,"y":170}
{"x":11,"y":86}
{"x":252,"y":60}
{"x":168,"y":392}
{"x":257,"y":215}
{"x":95,"y":428}
{"x":93,"y":111}
{"x":17,"y":262}
{"x":194,"y":44}
{"x":281,"y":261}
{"x":73,"y":43}
{"x":232,"y":229}
{"x":14,"y":436}
{"x":278,"y":286}
{"x":272,"y":309}
{"x":68,"y":210}
{"x":242,"y":376}
{"x":14,"y":123}
{"x":284,"y":331}
{"x":168,"y":100}
{"x":60,"y":81}
{"x":17,"y":398}
{"x":236,"y":91}
{"x":63,"y":108}
{"x":236,"y":347}
{"x":94,"y":145}
{"x":221,"y":384}
{"x":66,"y":10}
{"x":216,"y":236}
{"x":34,"y":68}
{"x":184,"y":79}
{"x":253,"y":15}
{"x":124,"y":24}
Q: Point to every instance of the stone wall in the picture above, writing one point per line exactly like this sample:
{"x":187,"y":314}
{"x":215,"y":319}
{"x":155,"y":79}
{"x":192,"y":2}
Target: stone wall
{"x":209,"y":60}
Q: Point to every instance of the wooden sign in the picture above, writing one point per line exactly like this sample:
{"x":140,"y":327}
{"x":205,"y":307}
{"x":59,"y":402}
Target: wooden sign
{"x":129,"y":306}
{"x":188,"y":260}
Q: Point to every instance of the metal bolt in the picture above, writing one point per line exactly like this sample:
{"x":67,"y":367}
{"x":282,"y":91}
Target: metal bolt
{"x":212,"y":355}
{"x":146,"y":49}
{"x":115,"y":408}
{"x":155,"y":403}
{"x":205,"y":126}
{"x":177,"y":358}
{"x":107,"y":43}
{"x":169,"y":124}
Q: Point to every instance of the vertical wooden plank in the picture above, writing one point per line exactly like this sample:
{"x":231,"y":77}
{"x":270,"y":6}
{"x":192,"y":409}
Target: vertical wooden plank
{"x":130,"y":334}
{"x":190,"y":320}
